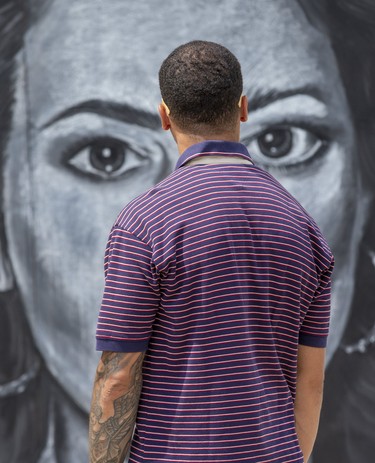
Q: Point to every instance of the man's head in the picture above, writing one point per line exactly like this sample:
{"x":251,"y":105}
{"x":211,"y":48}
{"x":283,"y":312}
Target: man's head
{"x":201,"y":86}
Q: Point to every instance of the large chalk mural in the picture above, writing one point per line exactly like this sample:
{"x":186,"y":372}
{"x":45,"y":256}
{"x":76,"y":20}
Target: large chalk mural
{"x":80,"y":137}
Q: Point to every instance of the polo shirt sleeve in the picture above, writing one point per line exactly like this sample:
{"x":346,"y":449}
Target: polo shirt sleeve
{"x":131,"y":295}
{"x":315,"y":326}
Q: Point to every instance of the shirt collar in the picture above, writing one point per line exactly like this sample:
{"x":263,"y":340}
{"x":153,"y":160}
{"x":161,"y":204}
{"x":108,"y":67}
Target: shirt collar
{"x":213,"y":148}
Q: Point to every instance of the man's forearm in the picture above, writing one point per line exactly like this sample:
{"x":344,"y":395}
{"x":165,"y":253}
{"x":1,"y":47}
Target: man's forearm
{"x":309,"y":395}
{"x":307,"y":408}
{"x":114,"y":406}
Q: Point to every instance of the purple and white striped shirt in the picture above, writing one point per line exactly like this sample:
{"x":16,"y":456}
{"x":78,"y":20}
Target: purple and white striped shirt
{"x":218,"y":273}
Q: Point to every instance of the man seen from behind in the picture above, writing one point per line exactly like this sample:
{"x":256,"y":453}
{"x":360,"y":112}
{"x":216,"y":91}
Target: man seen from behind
{"x":216,"y":305}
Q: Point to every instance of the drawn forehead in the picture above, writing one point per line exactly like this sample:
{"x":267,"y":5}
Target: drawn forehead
{"x":113,"y":50}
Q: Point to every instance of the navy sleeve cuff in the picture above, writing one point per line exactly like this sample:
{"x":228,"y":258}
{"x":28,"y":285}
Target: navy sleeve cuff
{"x":312,"y":341}
{"x":112,"y":345}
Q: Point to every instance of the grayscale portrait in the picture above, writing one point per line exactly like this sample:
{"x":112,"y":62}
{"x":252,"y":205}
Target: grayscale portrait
{"x":80,"y":137}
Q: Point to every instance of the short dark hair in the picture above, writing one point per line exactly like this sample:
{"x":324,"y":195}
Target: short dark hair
{"x":201,"y":83}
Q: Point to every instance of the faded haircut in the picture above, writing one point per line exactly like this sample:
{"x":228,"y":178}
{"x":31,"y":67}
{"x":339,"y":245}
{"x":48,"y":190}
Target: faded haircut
{"x":201,"y":83}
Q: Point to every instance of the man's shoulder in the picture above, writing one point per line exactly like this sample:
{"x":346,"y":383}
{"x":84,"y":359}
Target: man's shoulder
{"x":141,"y":209}
{"x":319,"y":244}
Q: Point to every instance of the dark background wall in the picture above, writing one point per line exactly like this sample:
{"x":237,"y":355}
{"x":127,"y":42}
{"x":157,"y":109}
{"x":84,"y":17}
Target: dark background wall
{"x":79,"y":138}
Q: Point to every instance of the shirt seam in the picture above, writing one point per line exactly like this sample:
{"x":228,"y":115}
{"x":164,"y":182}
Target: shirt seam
{"x":119,"y":227}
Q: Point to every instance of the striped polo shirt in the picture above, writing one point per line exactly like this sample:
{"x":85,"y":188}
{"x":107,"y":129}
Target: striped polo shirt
{"x":218,"y":273}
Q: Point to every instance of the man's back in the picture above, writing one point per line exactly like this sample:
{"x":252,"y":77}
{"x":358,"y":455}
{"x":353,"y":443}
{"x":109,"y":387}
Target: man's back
{"x":237,"y":263}
{"x":217,"y":293}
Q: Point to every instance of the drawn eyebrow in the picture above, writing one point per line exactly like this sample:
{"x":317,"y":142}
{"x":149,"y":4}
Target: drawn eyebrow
{"x":130,"y":115}
{"x":259,"y":99}
{"x":119,"y":111}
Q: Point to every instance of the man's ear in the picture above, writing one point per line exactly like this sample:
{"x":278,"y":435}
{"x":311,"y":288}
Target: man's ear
{"x":244,"y":108}
{"x":164,"y":116}
{"x":6,"y":274}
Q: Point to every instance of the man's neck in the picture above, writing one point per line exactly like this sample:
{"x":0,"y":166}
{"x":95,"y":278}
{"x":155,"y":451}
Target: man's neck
{"x":184,"y":141}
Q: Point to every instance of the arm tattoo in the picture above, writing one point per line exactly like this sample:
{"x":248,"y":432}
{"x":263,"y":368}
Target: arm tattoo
{"x":113,"y":410}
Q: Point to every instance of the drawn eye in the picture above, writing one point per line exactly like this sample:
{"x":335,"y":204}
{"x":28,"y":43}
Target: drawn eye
{"x":106,"y":158}
{"x":284,"y":146}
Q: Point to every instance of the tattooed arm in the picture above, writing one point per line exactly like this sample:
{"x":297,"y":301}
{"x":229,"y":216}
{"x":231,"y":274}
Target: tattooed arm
{"x":114,"y":406}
